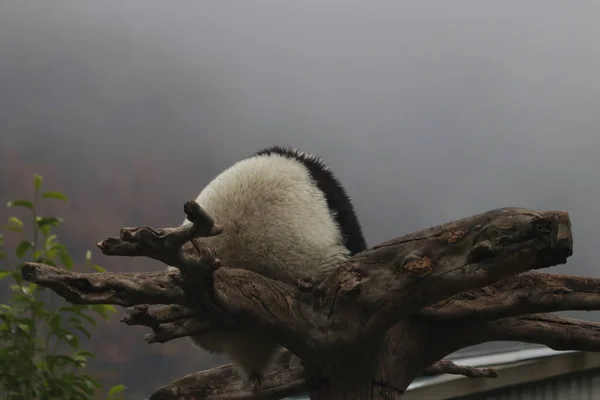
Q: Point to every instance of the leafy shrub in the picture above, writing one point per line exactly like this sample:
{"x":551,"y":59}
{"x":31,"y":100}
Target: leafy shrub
{"x":40,"y":352}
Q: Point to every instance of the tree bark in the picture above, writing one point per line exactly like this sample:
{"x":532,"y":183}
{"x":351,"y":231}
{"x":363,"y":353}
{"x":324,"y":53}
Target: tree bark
{"x":382,"y":318}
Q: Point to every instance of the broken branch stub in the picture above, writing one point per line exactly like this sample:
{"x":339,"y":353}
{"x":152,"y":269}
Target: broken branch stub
{"x":449,"y":367}
{"x":202,"y":223}
{"x":175,"y":247}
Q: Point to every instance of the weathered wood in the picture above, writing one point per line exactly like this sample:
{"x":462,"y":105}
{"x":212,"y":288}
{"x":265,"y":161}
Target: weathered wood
{"x":285,"y":379}
{"x":383,"y":317}
{"x":449,"y":367}
{"x":526,"y":293}
{"x":556,"y":332}
{"x":122,"y":289}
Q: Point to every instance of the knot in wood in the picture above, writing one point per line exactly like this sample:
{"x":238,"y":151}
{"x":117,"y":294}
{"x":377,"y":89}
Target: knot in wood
{"x":350,"y":281}
{"x":454,"y":235}
{"x":417,"y":267}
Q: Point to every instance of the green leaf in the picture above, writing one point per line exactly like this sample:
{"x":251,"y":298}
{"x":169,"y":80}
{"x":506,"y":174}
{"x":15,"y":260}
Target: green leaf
{"x":98,"y":268}
{"x":50,"y":243}
{"x":55,"y":195}
{"x":89,"y":319}
{"x":20,"y":203}
{"x":72,"y":340}
{"x":59,"y":247}
{"x":115,"y":390}
{"x":60,"y":360}
{"x":86,"y":384}
{"x":29,"y":289}
{"x":48,"y":221}
{"x":4,"y":274}
{"x":23,"y":247}
{"x":104,"y":309}
{"x":23,"y":327}
{"x":37,"y":182}
{"x":13,"y":228}
{"x":66,"y":259}
{"x":38,"y":256}
{"x":18,"y":277}
{"x":82,"y":354}
{"x":16,"y":221}
{"x":93,"y":381}
{"x":15,"y":224}
{"x":55,"y":322}
{"x":81,"y":329}
{"x":45,"y":230}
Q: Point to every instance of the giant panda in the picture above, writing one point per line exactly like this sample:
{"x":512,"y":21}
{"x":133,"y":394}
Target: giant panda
{"x":284,"y":216}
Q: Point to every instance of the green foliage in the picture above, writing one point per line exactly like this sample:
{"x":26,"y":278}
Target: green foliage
{"x":40,"y":353}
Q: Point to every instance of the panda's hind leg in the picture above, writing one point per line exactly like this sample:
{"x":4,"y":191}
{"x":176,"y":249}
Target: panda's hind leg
{"x":252,"y":352}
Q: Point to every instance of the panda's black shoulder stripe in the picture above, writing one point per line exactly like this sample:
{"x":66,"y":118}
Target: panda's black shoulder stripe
{"x":338,"y":200}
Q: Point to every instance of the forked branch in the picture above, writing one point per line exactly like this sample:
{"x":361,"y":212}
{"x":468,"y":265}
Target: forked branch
{"x":173,"y":246}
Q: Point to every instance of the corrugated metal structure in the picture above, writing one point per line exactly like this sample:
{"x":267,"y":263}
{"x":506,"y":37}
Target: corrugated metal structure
{"x":532,"y":374}
{"x":579,"y":385}
{"x":536,"y":373}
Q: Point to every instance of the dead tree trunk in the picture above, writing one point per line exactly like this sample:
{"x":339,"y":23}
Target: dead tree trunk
{"x":385,"y":316}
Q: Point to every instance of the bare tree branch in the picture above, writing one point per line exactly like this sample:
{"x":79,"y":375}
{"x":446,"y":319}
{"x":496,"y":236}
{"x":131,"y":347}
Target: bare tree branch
{"x":287,"y":378}
{"x":553,"y":331}
{"x":173,"y":246}
{"x":178,"y":329}
{"x":448,"y":367}
{"x":168,"y":322}
{"x":152,"y":317}
{"x":123,"y":289}
{"x":526,"y":293}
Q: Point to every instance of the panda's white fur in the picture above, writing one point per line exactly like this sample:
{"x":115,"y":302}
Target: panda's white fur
{"x":282,"y":214}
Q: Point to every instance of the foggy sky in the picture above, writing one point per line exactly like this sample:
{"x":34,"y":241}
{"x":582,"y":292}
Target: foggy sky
{"x":428,"y":111}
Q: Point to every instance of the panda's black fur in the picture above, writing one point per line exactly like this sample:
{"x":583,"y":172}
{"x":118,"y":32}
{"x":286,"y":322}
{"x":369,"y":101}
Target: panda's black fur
{"x":338,"y":200}
{"x":284,"y":216}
